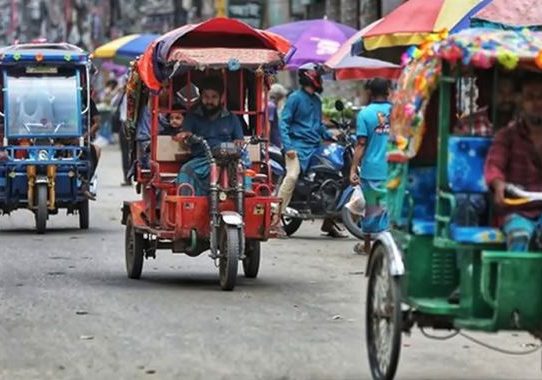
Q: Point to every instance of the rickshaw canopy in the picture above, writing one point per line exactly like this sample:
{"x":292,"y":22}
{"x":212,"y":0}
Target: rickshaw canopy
{"x":476,"y":48}
{"x":44,"y":53}
{"x":195,"y":45}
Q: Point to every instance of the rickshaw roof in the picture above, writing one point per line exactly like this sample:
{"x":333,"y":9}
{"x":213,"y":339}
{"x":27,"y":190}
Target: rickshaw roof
{"x":477,"y":48}
{"x":215,"y":43}
{"x":44,"y":52}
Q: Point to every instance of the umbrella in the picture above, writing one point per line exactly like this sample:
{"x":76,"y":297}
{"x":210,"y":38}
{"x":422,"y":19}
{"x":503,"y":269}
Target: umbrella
{"x":346,"y":66}
{"x":315,"y":40}
{"x":510,"y":14}
{"x":415,"y":20}
{"x":127,"y":47}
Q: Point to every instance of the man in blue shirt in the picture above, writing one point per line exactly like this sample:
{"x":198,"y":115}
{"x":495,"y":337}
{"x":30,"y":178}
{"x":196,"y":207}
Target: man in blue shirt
{"x":302,"y":132}
{"x":210,"y":120}
{"x":373,"y":130}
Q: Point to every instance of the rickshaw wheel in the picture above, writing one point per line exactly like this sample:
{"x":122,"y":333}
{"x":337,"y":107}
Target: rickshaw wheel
{"x":230,"y":247}
{"x":351,"y":222}
{"x":84,"y":214}
{"x":251,"y":262}
{"x":290,"y":225}
{"x":134,"y":250}
{"x":41,"y":210}
{"x":383,"y":317}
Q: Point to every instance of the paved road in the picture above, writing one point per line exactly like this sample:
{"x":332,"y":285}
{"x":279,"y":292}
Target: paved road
{"x":67,"y":311}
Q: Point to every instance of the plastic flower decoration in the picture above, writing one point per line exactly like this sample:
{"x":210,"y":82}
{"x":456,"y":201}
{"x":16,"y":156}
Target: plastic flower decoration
{"x":538,"y":59}
{"x":508,"y":59}
{"x":234,"y":64}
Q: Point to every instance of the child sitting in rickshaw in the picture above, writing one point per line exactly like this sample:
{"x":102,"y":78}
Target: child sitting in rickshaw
{"x":212,"y":121}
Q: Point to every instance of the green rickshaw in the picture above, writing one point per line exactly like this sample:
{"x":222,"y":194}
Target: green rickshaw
{"x":444,"y":263}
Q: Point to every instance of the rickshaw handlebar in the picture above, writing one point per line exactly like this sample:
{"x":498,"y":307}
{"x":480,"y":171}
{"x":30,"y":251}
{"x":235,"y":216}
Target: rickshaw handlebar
{"x":520,"y":196}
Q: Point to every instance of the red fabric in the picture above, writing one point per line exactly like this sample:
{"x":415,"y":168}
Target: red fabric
{"x":414,"y":16}
{"x":513,"y":158}
{"x":481,"y":125}
{"x":367,"y":73}
{"x":513,"y":13}
{"x":145,"y":68}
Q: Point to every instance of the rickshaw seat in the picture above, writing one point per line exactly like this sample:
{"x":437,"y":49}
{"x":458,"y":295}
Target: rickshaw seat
{"x":421,"y":188}
{"x":466,"y":160}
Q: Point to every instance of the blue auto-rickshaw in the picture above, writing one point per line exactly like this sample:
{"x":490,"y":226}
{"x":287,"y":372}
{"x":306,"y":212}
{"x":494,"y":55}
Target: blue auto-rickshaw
{"x":45,"y":112}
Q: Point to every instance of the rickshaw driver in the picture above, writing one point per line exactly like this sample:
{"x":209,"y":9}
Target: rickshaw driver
{"x":515,"y":157}
{"x":212,"y":121}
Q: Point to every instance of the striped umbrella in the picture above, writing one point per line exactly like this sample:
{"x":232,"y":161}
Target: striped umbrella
{"x":346,"y":66}
{"x":125,"y":48}
{"x":415,"y":20}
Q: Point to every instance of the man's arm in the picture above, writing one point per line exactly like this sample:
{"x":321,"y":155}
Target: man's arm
{"x":362,"y":133}
{"x":495,"y":165}
{"x":285,"y":124}
{"x":95,"y":120}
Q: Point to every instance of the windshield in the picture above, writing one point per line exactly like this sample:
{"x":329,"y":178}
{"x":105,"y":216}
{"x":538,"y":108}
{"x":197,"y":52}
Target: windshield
{"x":42,"y":106}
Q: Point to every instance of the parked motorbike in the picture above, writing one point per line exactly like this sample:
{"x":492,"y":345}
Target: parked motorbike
{"x":324,"y":188}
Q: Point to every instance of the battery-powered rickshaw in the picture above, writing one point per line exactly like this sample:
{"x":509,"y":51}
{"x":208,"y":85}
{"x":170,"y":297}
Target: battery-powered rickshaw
{"x":445,"y":264}
{"x":235,"y":216}
{"x":44,"y":157}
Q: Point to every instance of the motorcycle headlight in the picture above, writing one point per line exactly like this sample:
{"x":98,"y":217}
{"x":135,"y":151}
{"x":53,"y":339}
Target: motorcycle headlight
{"x":43,"y":155}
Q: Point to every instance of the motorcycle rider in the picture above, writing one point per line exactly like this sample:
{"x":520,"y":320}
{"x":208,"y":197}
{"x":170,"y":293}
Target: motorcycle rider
{"x":302,"y":131}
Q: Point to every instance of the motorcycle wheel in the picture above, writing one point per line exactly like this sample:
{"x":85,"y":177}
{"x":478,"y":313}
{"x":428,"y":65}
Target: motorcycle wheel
{"x":290,"y":225}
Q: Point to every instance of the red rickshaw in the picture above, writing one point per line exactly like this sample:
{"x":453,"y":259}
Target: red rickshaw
{"x":237,"y":213}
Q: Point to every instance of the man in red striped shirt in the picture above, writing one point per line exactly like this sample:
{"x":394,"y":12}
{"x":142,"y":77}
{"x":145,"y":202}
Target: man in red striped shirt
{"x":516,"y":157}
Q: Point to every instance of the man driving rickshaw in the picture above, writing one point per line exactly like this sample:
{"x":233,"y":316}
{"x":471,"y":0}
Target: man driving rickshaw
{"x":212,"y":121}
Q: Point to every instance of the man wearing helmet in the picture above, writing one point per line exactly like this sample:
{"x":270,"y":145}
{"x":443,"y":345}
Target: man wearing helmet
{"x":373,"y":132}
{"x":302,"y":131}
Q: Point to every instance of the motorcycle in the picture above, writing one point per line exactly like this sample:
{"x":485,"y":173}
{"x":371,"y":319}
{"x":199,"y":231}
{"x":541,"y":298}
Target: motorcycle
{"x":324,"y":188}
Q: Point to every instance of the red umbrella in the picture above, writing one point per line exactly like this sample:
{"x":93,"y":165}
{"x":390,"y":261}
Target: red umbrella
{"x":346,"y":66}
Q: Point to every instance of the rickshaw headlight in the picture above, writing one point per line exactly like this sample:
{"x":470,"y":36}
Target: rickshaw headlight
{"x":43,"y":155}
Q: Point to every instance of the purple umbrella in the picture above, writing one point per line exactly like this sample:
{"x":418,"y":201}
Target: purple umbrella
{"x":316,"y":40}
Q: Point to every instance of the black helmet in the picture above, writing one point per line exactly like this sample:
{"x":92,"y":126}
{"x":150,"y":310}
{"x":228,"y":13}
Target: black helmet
{"x":310,"y":75}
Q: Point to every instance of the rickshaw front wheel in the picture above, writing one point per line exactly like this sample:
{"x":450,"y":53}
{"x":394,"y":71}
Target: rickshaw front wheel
{"x":41,"y":208}
{"x":84,"y":214}
{"x":383,"y":317}
{"x":251,"y":262}
{"x":230,"y":251}
{"x":134,"y":244}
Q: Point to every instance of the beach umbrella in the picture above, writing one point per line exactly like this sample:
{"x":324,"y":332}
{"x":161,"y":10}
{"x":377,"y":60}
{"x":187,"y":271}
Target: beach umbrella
{"x":125,"y":48}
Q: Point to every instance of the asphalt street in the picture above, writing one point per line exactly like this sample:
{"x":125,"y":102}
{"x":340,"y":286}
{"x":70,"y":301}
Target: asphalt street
{"x":68,"y":311}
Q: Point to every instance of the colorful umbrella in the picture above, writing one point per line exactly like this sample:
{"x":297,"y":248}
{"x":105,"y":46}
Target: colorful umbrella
{"x":345,"y":66}
{"x":315,"y":40}
{"x":510,"y":14}
{"x":413,"y":21}
{"x":126,"y":47}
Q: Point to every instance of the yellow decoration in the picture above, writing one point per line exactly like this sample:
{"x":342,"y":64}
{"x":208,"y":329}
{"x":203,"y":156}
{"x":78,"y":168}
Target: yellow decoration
{"x":508,"y":59}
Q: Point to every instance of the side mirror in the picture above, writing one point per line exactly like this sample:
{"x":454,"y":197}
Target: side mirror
{"x":339,"y":105}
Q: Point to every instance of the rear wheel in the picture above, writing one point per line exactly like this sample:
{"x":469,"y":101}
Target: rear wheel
{"x":134,"y":244}
{"x":230,"y":251}
{"x":84,"y":214}
{"x":41,"y":207}
{"x":251,"y":262}
{"x":290,"y":225}
{"x":383,"y":317}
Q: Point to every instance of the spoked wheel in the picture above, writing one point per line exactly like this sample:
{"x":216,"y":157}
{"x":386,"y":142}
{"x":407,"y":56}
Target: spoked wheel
{"x":383,"y":318}
{"x":230,"y":251}
{"x":84,"y":214}
{"x":134,"y":244}
{"x":41,"y":209}
{"x":352,"y":222}
{"x":290,"y":225}
{"x":251,"y":262}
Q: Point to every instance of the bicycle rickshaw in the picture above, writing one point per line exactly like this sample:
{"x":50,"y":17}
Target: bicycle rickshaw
{"x":236,"y":215}
{"x":44,"y":158}
{"x":444,"y":264}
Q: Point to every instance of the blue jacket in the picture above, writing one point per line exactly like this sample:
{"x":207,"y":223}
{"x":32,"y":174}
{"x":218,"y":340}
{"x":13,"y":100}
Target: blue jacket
{"x":301,"y":126}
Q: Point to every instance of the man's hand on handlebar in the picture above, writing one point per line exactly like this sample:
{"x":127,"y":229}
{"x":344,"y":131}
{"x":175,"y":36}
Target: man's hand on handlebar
{"x":354,"y":178}
{"x":182,"y":137}
{"x":291,"y":154}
